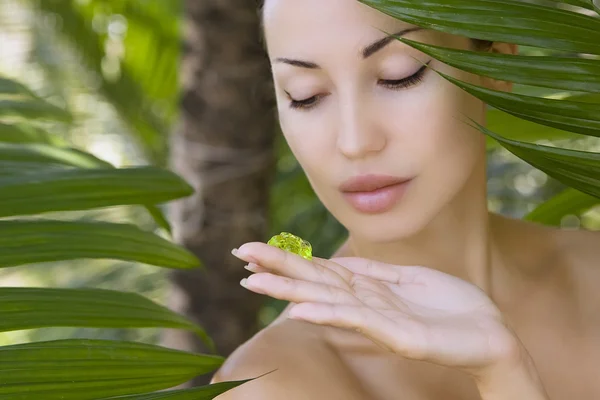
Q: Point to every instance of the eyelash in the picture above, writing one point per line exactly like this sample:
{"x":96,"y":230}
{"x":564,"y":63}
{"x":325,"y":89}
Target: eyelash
{"x":396,"y":84}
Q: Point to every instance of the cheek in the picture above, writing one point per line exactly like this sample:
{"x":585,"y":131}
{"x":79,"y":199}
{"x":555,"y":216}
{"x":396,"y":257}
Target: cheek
{"x":451,"y":135}
{"x":455,"y":150}
{"x":433,"y":124}
{"x":309,"y":137}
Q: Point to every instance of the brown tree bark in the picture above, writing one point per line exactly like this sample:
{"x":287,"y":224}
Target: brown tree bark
{"x":225,"y":149}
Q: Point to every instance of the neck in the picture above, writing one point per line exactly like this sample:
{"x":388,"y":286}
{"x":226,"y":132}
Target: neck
{"x":458,"y":241}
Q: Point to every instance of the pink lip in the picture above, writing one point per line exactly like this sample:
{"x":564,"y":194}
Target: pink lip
{"x":372,"y":194}
{"x":367,"y":183}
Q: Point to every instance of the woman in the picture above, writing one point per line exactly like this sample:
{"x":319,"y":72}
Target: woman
{"x":432,"y":296}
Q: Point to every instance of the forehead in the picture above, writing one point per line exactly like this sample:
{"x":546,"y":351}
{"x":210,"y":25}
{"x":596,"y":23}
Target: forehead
{"x":307,"y":25}
{"x":319,"y":10}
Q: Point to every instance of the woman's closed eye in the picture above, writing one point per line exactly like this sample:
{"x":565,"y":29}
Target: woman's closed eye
{"x":405,"y":82}
{"x":393,"y":84}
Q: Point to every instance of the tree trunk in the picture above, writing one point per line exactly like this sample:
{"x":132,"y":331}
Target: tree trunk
{"x":225,"y":149}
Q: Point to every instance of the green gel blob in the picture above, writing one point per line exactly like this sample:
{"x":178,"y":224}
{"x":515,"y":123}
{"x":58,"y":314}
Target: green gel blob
{"x":292,"y":243}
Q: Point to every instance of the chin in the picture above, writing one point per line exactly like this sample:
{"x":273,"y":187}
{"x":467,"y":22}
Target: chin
{"x":387,"y":227}
{"x":409,"y":216}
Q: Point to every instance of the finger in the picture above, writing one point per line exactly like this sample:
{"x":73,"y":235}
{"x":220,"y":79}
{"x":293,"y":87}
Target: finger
{"x":284,"y":263}
{"x":252,"y":267}
{"x":379,"y":270}
{"x":374,"y":293}
{"x":297,"y":291}
{"x":400,"y":335}
{"x":344,"y":273}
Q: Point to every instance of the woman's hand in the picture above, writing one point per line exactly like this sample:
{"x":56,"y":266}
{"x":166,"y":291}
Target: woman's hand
{"x":417,"y":312}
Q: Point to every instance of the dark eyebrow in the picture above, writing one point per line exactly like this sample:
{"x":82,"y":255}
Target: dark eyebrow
{"x":366,"y":52}
{"x":381,"y":43}
{"x":298,"y":63}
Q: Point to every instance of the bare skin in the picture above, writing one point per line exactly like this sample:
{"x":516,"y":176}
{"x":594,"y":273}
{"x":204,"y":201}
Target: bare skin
{"x":543,"y":280}
{"x":552,"y":309}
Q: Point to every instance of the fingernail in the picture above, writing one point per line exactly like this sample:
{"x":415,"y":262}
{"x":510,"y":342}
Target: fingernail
{"x":243,"y":282}
{"x":252,"y":267}
{"x":242,"y":254}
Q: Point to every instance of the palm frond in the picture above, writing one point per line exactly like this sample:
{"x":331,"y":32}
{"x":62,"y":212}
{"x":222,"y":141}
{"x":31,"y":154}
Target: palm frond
{"x":36,"y":177}
{"x":569,"y":32}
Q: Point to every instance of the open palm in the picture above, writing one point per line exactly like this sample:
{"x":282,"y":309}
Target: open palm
{"x":414,"y":311}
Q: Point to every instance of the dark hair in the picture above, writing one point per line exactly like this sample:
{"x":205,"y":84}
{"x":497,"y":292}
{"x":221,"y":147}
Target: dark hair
{"x":478,"y":44}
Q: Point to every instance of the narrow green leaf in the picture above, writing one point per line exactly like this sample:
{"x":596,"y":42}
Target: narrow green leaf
{"x":27,"y":308}
{"x":207,"y":392}
{"x":565,"y":73}
{"x":71,"y":190}
{"x":12,"y":87}
{"x":93,"y":369}
{"x":573,"y":116}
{"x":509,"y":21}
{"x":26,"y":133}
{"x":14,"y":168}
{"x":39,"y":152}
{"x":587,"y":4}
{"x":33,"y":109}
{"x":159,"y":217}
{"x":577,"y":169}
{"x":511,"y":127}
{"x":27,"y":242}
{"x":66,"y":156}
{"x":568,"y":202}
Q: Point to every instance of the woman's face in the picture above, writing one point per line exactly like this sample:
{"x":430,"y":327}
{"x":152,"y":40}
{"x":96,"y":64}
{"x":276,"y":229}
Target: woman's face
{"x":350,"y":109}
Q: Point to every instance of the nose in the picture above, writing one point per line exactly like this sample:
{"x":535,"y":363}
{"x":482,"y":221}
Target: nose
{"x":359,"y":133}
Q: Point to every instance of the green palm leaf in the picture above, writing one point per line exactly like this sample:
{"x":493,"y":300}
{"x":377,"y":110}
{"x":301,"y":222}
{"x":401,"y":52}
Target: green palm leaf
{"x":530,"y":118}
{"x":574,"y":116}
{"x":577,"y":169}
{"x":207,"y":392}
{"x":37,"y":178}
{"x":569,"y":201}
{"x":12,"y":87}
{"x":27,"y":308}
{"x":579,"y":3}
{"x":26,"y":242}
{"x":42,"y":153}
{"x":93,"y":369}
{"x":25,"y":133}
{"x":510,"y":21}
{"x":512,"y":127}
{"x":566,"y":73}
{"x":81,"y":189}
{"x":32,"y":109}
{"x":16,"y":100}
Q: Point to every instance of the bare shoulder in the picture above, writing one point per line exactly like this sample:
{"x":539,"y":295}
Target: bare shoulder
{"x":578,"y":255}
{"x":303,"y":364}
{"x":580,"y":250}
{"x":574,"y":254}
{"x":542,"y":246}
{"x":584,"y":240}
